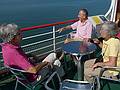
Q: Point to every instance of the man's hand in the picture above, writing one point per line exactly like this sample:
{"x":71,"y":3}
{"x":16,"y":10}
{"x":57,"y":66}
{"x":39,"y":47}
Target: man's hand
{"x":61,"y":29}
{"x":64,"y":28}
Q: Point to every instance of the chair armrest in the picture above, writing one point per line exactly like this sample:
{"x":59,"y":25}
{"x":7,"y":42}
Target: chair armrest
{"x":10,"y":68}
{"x":108,"y":68}
{"x":51,"y":79}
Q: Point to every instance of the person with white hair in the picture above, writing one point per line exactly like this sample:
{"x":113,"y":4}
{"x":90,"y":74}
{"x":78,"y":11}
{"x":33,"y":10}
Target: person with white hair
{"x":110,"y":52}
{"x":13,"y":55}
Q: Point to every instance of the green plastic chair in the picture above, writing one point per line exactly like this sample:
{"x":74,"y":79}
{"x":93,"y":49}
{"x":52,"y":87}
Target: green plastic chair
{"x":22,"y":79}
{"x":103,"y":83}
{"x":53,"y":82}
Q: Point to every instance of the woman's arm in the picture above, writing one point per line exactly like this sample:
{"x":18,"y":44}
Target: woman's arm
{"x":112,"y":62}
{"x":37,"y":68}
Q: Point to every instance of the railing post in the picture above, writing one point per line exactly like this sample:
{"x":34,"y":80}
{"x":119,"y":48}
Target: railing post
{"x":54,"y":46}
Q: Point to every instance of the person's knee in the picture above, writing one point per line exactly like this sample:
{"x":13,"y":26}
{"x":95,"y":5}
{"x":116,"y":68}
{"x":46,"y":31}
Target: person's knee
{"x":88,"y":71}
{"x":53,"y":55}
{"x":50,"y":58}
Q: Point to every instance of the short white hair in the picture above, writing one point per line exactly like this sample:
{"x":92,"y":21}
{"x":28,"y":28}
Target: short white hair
{"x":8,"y":31}
{"x":111,"y":27}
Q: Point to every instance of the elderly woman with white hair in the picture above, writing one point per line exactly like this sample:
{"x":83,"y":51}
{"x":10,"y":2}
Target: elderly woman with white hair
{"x":110,"y":52}
{"x":14,"y":56}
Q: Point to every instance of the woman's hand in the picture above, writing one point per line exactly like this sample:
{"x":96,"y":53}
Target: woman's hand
{"x":94,"y":66}
{"x":96,"y":41}
{"x":100,"y":64}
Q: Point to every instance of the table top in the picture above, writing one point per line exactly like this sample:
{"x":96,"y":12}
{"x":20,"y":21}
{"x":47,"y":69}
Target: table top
{"x":78,"y":47}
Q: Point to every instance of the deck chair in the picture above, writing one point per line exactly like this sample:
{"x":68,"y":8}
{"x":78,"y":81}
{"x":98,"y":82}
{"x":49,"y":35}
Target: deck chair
{"x":75,"y":85}
{"x":22,"y":79}
{"x":53,"y":82}
{"x":103,"y":83}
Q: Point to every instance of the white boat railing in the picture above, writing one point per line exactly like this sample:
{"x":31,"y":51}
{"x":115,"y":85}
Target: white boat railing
{"x":111,"y":13}
{"x":52,"y":40}
{"x":53,"y":43}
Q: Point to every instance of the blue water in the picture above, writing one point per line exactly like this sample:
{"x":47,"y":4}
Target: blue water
{"x":36,"y":12}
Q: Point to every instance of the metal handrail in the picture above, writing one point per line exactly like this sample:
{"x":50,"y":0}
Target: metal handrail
{"x":48,"y":25}
{"x":38,"y":49}
{"x":37,"y":35}
{"x":37,"y":43}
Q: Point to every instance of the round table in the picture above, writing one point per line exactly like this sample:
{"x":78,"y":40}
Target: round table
{"x":79,"y":49}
